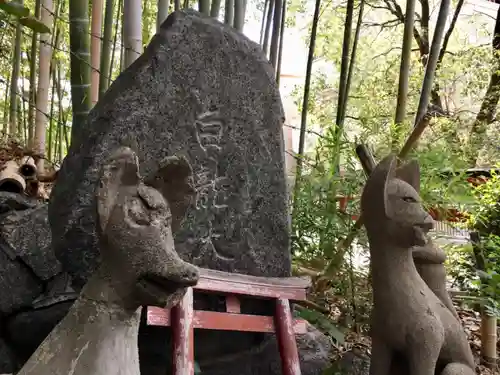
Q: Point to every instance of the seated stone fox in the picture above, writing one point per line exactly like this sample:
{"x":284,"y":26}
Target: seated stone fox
{"x":429,"y":259}
{"x":139,"y":266}
{"x":412,"y":329}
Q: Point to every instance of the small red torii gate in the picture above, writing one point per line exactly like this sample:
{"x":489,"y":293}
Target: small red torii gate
{"x":184,"y":319}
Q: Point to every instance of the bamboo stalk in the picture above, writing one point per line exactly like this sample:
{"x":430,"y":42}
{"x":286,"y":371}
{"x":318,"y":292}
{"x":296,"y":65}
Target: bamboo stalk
{"x":215,"y":9}
{"x":263,"y":23}
{"x":162,"y":14}
{"x":32,"y":92}
{"x":177,"y":5}
{"x":14,"y":78}
{"x":106,"y":48}
{"x":229,"y":12}
{"x":95,"y":49}
{"x":404,"y":71}
{"x":432,"y":61}
{"x":204,"y":7}
{"x":22,"y":109}
{"x":489,"y":340}
{"x":5,"y":127}
{"x":344,"y":66}
{"x":280,"y":48}
{"x":51,"y":118}
{"x":239,"y":14}
{"x":115,"y":40}
{"x":80,"y":62}
{"x":45,"y":53}
{"x":276,"y":32}
{"x":352,"y":60}
{"x":307,"y":86}
{"x":269,"y":18}
{"x":132,"y":17}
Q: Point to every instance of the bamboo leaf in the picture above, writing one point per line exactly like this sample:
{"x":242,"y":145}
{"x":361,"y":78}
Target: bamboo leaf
{"x":14,"y":9}
{"x":35,"y":25}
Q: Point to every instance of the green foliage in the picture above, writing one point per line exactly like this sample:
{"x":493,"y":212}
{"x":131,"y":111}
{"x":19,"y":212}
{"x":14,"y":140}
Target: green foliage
{"x":324,"y":324}
{"x":463,"y":260}
{"x":14,"y":8}
{"x":23,"y":14}
{"x":486,"y":216}
{"x":34,"y":24}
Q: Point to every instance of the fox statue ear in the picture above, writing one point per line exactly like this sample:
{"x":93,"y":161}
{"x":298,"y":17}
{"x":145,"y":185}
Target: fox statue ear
{"x":120,"y":170}
{"x":410,"y":173}
{"x":174,"y":180}
{"x":374,"y":198}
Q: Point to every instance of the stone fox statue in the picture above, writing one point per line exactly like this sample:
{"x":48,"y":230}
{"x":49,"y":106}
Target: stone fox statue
{"x":429,"y":259}
{"x":139,"y":267}
{"x":410,"y":324}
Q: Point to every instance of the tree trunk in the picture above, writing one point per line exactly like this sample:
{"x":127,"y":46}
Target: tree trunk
{"x":80,"y":64}
{"x":14,"y":78}
{"x":42,"y":95}
{"x":32,"y":92}
{"x":215,"y":9}
{"x":177,"y":5}
{"x":239,"y":14}
{"x":132,"y":31}
{"x":229,"y":12}
{"x":486,"y":114}
{"x":162,"y":15}
{"x":95,"y":46}
{"x":106,"y":48}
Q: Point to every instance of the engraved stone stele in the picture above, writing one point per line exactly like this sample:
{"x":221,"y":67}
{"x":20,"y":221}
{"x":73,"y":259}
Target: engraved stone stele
{"x":99,"y":335}
{"x":413,"y":331}
{"x":204,"y":91}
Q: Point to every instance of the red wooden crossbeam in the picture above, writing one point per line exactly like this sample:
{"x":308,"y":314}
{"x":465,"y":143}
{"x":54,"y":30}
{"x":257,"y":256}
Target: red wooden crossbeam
{"x":184,"y":319}
{"x":223,"y":321}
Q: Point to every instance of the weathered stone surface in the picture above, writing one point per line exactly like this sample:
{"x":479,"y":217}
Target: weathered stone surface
{"x":13,"y":201}
{"x":18,"y":285}
{"x":204,"y":91}
{"x":28,"y":329}
{"x":27,"y":234}
{"x":8,"y":363}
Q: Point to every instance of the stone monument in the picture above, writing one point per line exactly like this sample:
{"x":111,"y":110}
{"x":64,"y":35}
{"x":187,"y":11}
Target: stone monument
{"x":203,"y":91}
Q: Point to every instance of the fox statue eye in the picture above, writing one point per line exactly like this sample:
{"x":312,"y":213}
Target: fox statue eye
{"x":409,"y":199}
